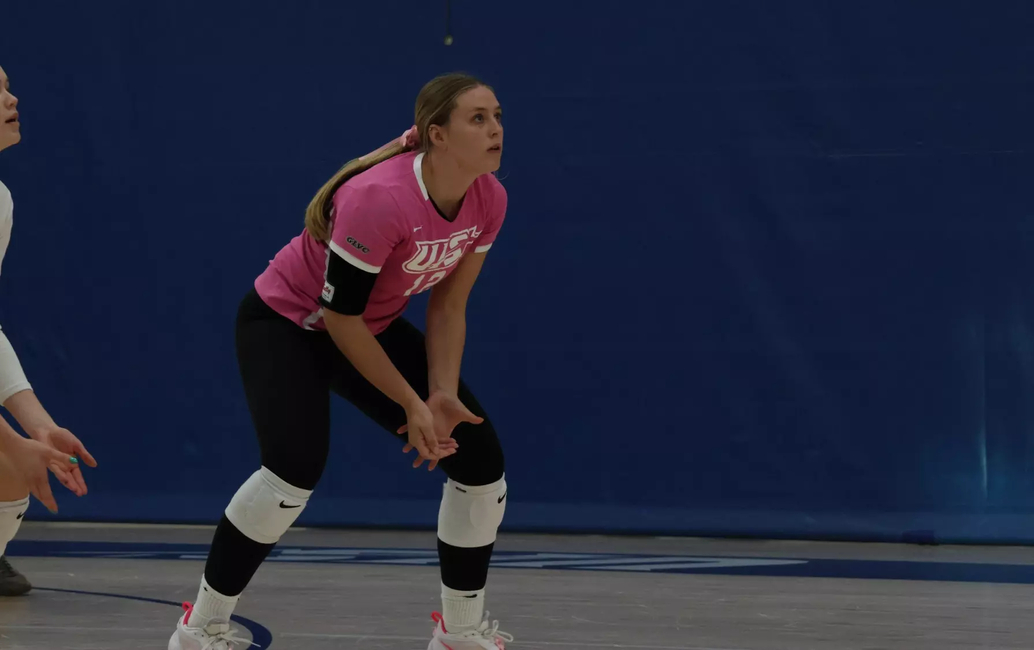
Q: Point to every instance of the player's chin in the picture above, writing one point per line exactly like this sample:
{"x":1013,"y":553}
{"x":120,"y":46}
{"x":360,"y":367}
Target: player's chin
{"x":492,"y":162}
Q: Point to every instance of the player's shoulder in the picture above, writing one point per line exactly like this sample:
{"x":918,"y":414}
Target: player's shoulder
{"x":389,"y":181}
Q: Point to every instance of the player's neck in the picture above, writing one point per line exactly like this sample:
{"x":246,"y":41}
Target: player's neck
{"x":446,"y":182}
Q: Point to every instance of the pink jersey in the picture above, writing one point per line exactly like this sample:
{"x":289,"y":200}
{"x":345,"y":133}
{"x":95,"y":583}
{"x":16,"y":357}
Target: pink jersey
{"x":383,"y":223}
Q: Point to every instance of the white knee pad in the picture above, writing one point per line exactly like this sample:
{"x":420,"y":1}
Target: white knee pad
{"x":11,"y":514}
{"x":469,"y":517}
{"x":266,"y":506}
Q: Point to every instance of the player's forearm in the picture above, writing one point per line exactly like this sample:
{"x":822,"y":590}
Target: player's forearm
{"x":12,"y":377}
{"x":27,"y":409}
{"x":9,"y":438}
{"x":361,"y":348}
{"x":446,"y":335}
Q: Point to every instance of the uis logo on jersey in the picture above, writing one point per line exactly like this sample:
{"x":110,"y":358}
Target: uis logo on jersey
{"x":441,"y":254}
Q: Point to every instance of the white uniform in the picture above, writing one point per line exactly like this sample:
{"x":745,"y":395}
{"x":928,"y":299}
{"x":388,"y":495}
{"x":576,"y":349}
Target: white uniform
{"x":6,"y":219}
{"x":12,"y":377}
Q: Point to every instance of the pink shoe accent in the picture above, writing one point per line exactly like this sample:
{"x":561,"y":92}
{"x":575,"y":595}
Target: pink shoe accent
{"x":438,"y":618}
{"x":189,"y":609}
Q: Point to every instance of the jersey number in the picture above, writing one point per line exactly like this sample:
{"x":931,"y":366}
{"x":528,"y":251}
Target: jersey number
{"x":420,"y":286}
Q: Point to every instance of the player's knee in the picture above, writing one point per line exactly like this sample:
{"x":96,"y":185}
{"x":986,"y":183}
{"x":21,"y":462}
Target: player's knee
{"x":11,"y":514}
{"x":297,"y":465}
{"x":492,"y":466}
{"x":266,"y":506}
{"x":469,"y":516}
{"x":479,"y":460}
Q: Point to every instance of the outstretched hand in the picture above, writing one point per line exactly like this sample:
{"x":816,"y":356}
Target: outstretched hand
{"x":420,"y":425}
{"x":32,"y":459}
{"x":447,"y":412}
{"x":64,"y":441}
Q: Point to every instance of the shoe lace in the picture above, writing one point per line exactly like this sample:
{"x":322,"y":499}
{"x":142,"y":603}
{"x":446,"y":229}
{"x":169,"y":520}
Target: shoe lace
{"x":487,"y":630}
{"x":490,"y":630}
{"x":221,"y":633}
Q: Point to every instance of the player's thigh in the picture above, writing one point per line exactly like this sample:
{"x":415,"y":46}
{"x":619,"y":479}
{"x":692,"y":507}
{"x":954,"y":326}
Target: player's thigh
{"x":285,"y":371}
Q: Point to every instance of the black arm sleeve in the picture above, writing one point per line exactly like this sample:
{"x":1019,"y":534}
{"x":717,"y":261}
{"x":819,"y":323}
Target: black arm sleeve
{"x":347,"y":288}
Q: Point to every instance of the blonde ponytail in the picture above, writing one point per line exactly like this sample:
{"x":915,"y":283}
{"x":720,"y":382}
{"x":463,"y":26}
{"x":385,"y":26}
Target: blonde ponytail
{"x":317,"y":215}
{"x":434,"y":106}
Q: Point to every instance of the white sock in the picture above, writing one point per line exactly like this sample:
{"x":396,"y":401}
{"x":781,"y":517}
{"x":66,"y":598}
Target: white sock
{"x":462,"y":610}
{"x":11,"y":513}
{"x":211,"y":606}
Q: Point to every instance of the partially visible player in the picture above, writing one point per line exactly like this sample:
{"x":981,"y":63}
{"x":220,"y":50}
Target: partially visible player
{"x":24,"y":463}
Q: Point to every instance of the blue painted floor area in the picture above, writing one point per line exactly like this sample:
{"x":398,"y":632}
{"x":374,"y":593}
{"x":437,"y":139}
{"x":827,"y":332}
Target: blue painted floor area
{"x":866,"y":569}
